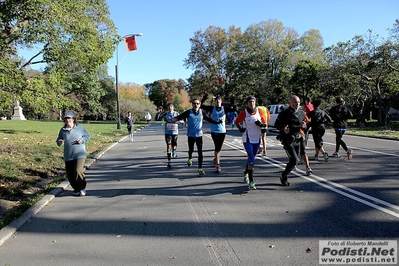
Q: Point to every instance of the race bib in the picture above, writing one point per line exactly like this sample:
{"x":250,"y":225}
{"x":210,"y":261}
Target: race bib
{"x":171,"y":126}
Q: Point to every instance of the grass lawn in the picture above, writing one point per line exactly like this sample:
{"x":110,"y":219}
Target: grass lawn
{"x":31,"y":164}
{"x":372,"y":129}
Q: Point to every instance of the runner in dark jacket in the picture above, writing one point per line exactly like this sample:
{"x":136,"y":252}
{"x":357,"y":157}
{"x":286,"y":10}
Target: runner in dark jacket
{"x":291,"y":123}
{"x":340,"y":115}
{"x":317,"y":119}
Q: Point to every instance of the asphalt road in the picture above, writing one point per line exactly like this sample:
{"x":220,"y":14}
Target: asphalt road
{"x":137,"y":212}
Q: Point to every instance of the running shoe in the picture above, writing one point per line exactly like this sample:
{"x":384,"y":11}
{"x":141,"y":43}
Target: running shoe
{"x":76,"y":193}
{"x":252,"y":185}
{"x":325,"y":155}
{"x":295,"y":168}
{"x":218,"y":169}
{"x":350,"y":154}
{"x":308,"y":171}
{"x":169,"y":165}
{"x":316,"y":157}
{"x":201,"y":172}
{"x":283,"y":180}
{"x":83,"y":192}
{"x":190,"y":162}
{"x":246,"y":177}
{"x":335,"y":154}
{"x":174,"y":154}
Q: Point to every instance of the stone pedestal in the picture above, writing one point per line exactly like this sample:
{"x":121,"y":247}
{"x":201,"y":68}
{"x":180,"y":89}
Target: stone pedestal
{"x":18,"y":115}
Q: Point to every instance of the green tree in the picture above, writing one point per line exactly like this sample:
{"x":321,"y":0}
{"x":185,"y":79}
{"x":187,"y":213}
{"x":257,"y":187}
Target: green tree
{"x":305,"y":79}
{"x":164,"y":91}
{"x":72,"y":39}
{"x":208,"y":57}
{"x":260,"y":57}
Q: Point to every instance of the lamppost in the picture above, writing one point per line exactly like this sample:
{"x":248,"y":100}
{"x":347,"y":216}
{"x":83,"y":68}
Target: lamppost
{"x":118,"y":110}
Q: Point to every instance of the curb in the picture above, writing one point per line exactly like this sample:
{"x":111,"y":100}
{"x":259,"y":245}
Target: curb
{"x":8,"y":231}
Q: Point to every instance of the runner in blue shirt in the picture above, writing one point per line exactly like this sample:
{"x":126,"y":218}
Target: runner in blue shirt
{"x":218,"y":131}
{"x":194,"y":118}
{"x":171,"y":133}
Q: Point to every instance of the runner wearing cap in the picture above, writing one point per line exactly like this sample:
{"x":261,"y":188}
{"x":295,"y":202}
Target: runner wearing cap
{"x":74,"y":138}
{"x":253,"y":120}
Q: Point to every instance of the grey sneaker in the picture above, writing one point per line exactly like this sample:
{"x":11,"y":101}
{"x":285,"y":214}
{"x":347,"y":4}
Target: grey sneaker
{"x":218,"y":169}
{"x":308,"y":171}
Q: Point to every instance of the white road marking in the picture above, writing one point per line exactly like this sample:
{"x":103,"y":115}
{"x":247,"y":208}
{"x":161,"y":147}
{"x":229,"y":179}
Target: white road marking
{"x":335,"y":187}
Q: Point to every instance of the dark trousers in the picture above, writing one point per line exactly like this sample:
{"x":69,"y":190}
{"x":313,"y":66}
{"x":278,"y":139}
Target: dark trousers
{"x":218,"y":139}
{"x":292,"y":152}
{"x":339,"y":141}
{"x":75,"y":173}
{"x":318,"y":134}
{"x":199,"y":143}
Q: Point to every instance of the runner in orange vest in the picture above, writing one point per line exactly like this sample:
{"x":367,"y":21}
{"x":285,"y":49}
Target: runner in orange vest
{"x":263,"y":129}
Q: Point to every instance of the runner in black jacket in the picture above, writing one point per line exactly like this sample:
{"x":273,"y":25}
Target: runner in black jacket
{"x":291,"y":123}
{"x":317,"y":119}
{"x":340,"y":115}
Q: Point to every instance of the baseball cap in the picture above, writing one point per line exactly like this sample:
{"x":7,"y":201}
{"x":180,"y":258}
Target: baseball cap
{"x":251,"y":97}
{"x":69,"y":114}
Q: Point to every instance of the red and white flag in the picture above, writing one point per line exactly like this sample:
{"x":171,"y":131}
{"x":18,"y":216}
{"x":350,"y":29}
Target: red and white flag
{"x":130,"y":43}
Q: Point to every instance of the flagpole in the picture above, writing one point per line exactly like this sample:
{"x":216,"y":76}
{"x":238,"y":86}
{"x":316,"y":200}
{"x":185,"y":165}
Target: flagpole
{"x":118,"y":109}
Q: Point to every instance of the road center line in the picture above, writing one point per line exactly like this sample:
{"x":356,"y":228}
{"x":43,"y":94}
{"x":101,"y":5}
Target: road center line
{"x":335,"y":187}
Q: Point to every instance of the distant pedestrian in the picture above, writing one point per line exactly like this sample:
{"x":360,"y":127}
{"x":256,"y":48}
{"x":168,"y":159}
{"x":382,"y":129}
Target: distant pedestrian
{"x":148,"y":117}
{"x":340,"y":115}
{"x":253,"y":119}
{"x":308,"y":108}
{"x":195,"y":117}
{"x":317,"y":119}
{"x":74,"y":138}
{"x":263,"y":130}
{"x":129,"y":120}
{"x":159,"y":113}
{"x":171,"y":133}
{"x":291,"y":123}
{"x":232,"y":117}
{"x":218,"y":131}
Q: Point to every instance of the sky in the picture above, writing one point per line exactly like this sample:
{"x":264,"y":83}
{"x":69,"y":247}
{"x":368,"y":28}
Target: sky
{"x":168,"y":25}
